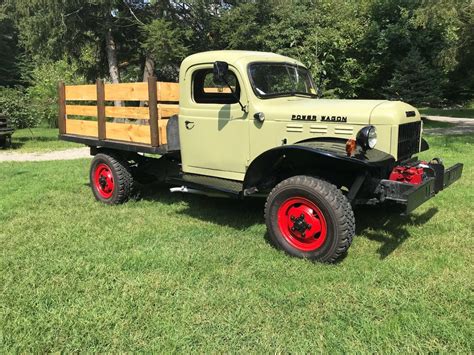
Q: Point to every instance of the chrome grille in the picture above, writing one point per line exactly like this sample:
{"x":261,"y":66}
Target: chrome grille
{"x":408,"y":139}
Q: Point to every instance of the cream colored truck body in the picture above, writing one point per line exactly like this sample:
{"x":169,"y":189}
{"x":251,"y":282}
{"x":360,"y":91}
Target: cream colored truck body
{"x":224,"y":140}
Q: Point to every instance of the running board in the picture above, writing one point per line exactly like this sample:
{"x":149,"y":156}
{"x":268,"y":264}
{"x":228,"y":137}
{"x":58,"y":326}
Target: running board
{"x":202,"y":183}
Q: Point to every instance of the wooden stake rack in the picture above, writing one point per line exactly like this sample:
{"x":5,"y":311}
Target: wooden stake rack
{"x":89,"y":122}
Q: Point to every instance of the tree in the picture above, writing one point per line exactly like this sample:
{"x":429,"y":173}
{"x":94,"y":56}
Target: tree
{"x":10,"y":57}
{"x":415,"y":82}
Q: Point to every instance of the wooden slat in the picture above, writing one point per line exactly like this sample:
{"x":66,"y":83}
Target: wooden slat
{"x":128,"y":132}
{"x":153,"y":112}
{"x":168,"y":91}
{"x":81,"y":92}
{"x":81,"y":110}
{"x":62,"y":108}
{"x":117,"y":131}
{"x":81,"y":128}
{"x":139,"y":113}
{"x":101,"y":109}
{"x":168,"y":110}
{"x":217,"y":91}
{"x":126,"y":92}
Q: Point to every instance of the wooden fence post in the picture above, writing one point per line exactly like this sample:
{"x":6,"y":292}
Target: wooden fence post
{"x":62,"y":108}
{"x":101,"y":121}
{"x":153,"y":111}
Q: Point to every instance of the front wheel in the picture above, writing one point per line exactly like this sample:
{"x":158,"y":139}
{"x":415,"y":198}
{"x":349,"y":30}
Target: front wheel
{"x":310,"y":218}
{"x":111,"y":179}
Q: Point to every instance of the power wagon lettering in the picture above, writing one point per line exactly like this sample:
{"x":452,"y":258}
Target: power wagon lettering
{"x":322,"y":119}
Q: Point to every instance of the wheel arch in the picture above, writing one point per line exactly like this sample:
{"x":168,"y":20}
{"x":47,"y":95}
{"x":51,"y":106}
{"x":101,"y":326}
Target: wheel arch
{"x":323,"y":158}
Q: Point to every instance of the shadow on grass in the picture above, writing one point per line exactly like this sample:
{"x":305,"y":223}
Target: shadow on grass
{"x":19,"y":142}
{"x":233,"y":213}
{"x":383,"y":225}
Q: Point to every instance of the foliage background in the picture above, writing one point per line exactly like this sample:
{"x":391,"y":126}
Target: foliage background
{"x":418,"y":51}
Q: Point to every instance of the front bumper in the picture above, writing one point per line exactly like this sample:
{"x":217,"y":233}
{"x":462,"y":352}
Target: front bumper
{"x":412,"y":196}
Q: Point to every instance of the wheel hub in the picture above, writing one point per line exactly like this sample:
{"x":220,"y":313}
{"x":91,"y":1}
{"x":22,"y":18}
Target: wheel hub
{"x":104,"y":180}
{"x":302,"y":223}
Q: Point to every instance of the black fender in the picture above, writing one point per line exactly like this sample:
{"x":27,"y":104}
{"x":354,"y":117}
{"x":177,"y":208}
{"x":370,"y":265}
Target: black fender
{"x":324,"y":157}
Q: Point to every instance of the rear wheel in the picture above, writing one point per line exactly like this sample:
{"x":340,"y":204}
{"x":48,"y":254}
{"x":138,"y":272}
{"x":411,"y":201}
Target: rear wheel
{"x":310,"y":218}
{"x":111,"y":179}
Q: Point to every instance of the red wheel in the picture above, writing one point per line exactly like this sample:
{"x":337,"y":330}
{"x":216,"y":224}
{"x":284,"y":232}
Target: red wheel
{"x":302,"y":224}
{"x":110,"y":178}
{"x":104,"y":180}
{"x":309,"y":218}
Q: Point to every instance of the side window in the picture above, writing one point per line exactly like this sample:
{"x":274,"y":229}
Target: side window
{"x":205,"y":91}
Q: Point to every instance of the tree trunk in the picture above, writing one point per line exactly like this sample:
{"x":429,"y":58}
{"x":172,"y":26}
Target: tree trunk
{"x":111,"y":49}
{"x":149,"y":69}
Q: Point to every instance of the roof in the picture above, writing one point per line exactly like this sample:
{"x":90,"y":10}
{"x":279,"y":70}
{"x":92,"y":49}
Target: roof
{"x":234,"y":56}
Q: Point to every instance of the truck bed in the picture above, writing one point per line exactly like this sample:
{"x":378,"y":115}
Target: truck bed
{"x":87,"y":114}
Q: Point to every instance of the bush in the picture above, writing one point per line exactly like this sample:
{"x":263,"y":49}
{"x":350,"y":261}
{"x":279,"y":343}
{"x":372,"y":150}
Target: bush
{"x":15,"y":105}
{"x":44,"y":88}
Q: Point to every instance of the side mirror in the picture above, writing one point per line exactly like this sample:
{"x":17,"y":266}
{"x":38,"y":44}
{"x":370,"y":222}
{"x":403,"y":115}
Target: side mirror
{"x":220,"y":71}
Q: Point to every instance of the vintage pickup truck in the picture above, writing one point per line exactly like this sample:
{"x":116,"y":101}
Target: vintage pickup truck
{"x":243,"y":124}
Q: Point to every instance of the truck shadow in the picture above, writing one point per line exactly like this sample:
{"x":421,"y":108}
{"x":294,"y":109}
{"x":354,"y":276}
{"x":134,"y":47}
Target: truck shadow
{"x":380,"y":224}
{"x":387,"y":227}
{"x":232,"y":213}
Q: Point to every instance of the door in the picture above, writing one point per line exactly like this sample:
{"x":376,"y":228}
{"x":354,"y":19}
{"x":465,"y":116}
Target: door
{"x":214,"y":131}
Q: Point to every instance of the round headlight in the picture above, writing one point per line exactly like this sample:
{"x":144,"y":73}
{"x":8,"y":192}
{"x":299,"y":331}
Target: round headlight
{"x":372,"y":140}
{"x":367,"y":137}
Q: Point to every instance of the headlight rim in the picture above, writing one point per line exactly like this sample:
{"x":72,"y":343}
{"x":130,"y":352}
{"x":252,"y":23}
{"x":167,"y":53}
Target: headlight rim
{"x":364,"y":136}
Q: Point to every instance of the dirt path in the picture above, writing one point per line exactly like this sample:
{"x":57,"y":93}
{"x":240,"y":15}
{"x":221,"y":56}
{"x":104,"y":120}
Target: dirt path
{"x":461,"y":125}
{"x":69,"y":154}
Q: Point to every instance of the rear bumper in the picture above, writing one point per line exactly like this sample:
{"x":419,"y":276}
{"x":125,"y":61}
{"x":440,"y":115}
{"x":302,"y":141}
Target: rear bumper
{"x":412,"y":196}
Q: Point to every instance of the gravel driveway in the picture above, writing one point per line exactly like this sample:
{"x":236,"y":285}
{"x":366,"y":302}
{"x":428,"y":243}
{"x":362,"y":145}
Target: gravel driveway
{"x":461,"y":125}
{"x":69,"y":154}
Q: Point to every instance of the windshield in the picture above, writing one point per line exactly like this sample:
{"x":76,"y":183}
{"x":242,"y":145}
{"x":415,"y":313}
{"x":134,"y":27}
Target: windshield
{"x":281,"y":79}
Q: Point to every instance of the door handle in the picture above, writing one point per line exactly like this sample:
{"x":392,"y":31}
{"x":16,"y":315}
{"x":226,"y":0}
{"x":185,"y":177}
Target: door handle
{"x":189,"y":124}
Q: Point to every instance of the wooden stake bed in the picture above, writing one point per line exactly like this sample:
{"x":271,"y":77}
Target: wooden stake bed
{"x":144,"y":128}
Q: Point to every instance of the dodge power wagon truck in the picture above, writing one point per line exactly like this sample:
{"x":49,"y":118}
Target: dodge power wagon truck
{"x":243,"y":124}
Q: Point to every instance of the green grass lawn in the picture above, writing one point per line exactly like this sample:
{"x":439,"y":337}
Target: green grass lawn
{"x":39,"y":139}
{"x":180,"y":273}
{"x":467,"y":112}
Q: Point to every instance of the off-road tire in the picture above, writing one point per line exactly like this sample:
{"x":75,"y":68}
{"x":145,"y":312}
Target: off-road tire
{"x":328,"y":200}
{"x":123,"y":183}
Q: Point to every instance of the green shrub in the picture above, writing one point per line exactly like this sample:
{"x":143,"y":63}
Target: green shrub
{"x":44,"y":88}
{"x":15,"y":105}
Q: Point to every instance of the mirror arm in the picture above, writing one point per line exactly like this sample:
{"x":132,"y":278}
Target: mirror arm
{"x":244,"y":108}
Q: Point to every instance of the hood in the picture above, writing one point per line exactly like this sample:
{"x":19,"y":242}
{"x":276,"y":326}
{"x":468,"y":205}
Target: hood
{"x":343,"y":111}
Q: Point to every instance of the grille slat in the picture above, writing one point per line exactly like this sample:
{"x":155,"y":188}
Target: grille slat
{"x":408,"y":139}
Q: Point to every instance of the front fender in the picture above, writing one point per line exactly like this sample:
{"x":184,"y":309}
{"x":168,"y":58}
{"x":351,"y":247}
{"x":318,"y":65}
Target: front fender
{"x":327,"y":156}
